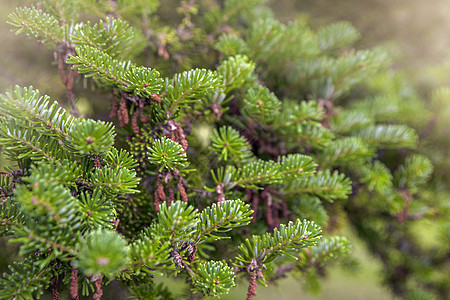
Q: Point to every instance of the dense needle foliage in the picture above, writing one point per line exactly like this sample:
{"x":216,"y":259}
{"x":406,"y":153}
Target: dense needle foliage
{"x":236,"y":147}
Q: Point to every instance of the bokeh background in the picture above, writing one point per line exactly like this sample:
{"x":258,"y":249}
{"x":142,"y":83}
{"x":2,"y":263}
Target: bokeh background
{"x":416,"y":31}
{"x":419,"y":29}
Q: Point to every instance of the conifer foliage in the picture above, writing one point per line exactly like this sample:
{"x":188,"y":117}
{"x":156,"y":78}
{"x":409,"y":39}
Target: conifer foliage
{"x":287,"y":146}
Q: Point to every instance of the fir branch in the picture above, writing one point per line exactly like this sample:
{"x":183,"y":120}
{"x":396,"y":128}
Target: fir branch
{"x":10,"y":216}
{"x":149,"y":252}
{"x":294,"y":113}
{"x":121,"y":159}
{"x":142,"y":82}
{"x":93,"y":62}
{"x":98,"y":211}
{"x":150,"y":290}
{"x":250,"y":175}
{"x":336,"y":36}
{"x":345,"y":150}
{"x":67,"y":11}
{"x":336,"y":76}
{"x":112,"y":36}
{"x":48,"y":199}
{"x":350,"y":120}
{"x":24,"y":142}
{"x":73,"y":184}
{"x":60,"y":241}
{"x":261,"y":172}
{"x":222,"y":217}
{"x":213,"y":278}
{"x":285,"y":240}
{"x":64,"y":172}
{"x":415,"y":172}
{"x":232,"y":10}
{"x":167,"y":154}
{"x":26,"y":104}
{"x":102,"y":252}
{"x":308,"y":207}
{"x":323,"y":184}
{"x":176,"y":222}
{"x":264,"y":36}
{"x":98,"y":8}
{"x":231,"y":146}
{"x":388,"y":136}
{"x":261,"y":104}
{"x":278,"y":46}
{"x":327,"y":249}
{"x":114,"y":181}
{"x":231,"y":45}
{"x":28,"y":279}
{"x":91,"y":137}
{"x":189,"y":86}
{"x":313,"y":134}
{"x":382,"y":108}
{"x":34,"y":22}
{"x":236,"y":71}
{"x":378,"y":177}
{"x":297,"y":165}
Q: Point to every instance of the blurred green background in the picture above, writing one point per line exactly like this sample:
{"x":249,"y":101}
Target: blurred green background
{"x":420,"y":30}
{"x":418,"y":33}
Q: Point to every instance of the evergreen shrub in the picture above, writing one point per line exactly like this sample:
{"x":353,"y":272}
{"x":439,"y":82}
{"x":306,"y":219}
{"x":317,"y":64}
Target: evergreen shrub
{"x":236,"y":146}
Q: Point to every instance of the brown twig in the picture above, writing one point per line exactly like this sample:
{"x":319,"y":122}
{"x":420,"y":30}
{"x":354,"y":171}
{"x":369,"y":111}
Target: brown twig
{"x":171,"y":196}
{"x":99,"y":292}
{"x":160,"y":196}
{"x":122,"y":112}
{"x":407,"y":196}
{"x":134,"y":122}
{"x":144,"y":118}
{"x":182,"y":190}
{"x":55,"y":293}
{"x":97,"y":163}
{"x":252,"y":284}
{"x":74,"y":284}
{"x":220,"y":193}
{"x":192,"y":255}
{"x":252,"y":269}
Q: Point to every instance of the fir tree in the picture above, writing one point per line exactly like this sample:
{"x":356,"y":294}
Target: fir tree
{"x":297,"y":133}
